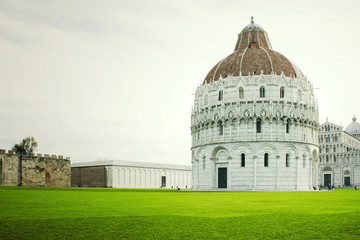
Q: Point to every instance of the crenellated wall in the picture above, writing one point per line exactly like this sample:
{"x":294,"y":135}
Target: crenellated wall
{"x":39,"y":170}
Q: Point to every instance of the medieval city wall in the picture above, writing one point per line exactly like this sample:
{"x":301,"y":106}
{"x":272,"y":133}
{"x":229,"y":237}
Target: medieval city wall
{"x":36,"y":171}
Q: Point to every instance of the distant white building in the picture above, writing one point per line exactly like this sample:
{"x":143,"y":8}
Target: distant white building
{"x":339,"y":154}
{"x":126,"y":174}
{"x":254,"y":124}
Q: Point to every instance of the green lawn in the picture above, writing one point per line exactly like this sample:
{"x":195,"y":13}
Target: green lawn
{"x":50,"y":213}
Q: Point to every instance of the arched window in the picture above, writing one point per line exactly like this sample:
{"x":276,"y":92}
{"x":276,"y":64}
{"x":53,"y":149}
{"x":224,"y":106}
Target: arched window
{"x":221,"y":95}
{"x":204,"y":162}
{"x":287,"y":160}
{"x":288,"y":126}
{"x":241,"y":93}
{"x":266,"y":160}
{"x":282,"y":92}
{"x":262,"y":92}
{"x":221,"y":128}
{"x":242,"y":160}
{"x":334,"y":159}
{"x":258,"y":125}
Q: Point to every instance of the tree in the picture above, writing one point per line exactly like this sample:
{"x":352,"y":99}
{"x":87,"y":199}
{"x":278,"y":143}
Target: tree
{"x":27,"y":146}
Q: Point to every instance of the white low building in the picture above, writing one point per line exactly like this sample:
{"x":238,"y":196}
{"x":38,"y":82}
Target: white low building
{"x":254,"y":124}
{"x":128,"y":174}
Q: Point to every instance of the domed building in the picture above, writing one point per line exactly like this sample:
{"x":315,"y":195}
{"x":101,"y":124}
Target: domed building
{"x":339,"y":154}
{"x":353,"y":128}
{"x":254,"y":123}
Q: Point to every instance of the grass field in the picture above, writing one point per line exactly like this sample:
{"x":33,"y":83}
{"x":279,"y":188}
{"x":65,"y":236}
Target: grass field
{"x":50,"y":213}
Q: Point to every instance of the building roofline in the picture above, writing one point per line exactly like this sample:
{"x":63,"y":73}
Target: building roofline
{"x":131,"y":164}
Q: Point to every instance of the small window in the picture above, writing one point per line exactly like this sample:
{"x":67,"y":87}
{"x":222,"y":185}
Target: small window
{"x":262,"y":92}
{"x":163,"y":181}
{"x":242,"y":160}
{"x":266,"y":160}
{"x":221,"y":128}
{"x":304,"y":161}
{"x":327,"y":149}
{"x":288,"y":126}
{"x":258,"y":125}
{"x":334,"y":159}
{"x":282,"y":92}
{"x":287,"y":160}
{"x":241,"y":93}
{"x":327,"y":159}
{"x":221,"y":95}
{"x":204,"y":162}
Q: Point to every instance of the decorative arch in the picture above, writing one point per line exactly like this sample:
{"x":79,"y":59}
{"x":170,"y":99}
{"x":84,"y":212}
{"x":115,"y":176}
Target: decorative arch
{"x":242,"y":148}
{"x":291,"y":149}
{"x":200,"y":152}
{"x":269,"y":148}
{"x":217,"y":150}
{"x":327,"y":169}
{"x":306,"y":150}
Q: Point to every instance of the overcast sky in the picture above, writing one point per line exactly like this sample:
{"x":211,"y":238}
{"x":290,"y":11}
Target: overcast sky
{"x":114,"y":79}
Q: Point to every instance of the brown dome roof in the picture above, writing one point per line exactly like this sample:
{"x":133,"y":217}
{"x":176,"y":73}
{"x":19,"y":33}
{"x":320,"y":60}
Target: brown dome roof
{"x":253,"y":54}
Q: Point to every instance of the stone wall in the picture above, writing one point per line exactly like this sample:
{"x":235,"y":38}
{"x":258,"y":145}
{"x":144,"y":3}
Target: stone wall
{"x":37,"y":171}
{"x":9,"y":169}
{"x":88,"y":176}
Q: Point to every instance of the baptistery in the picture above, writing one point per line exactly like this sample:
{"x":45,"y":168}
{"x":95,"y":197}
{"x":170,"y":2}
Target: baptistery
{"x":254,"y":124}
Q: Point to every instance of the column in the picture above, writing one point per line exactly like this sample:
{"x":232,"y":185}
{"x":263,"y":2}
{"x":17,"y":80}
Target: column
{"x":223,"y":126}
{"x":255,"y":160}
{"x":297,"y":172}
{"x":310,"y":172}
{"x":229,"y":173}
{"x":238,"y":130}
{"x":231,"y":125}
{"x":212,"y":173}
{"x":277,"y":172}
{"x":254,"y":128}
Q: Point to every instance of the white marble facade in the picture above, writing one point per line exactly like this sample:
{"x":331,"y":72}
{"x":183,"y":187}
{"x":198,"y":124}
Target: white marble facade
{"x":254,"y":132}
{"x":339,"y":155}
{"x":224,"y":130}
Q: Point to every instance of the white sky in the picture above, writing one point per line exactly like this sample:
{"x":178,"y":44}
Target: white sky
{"x":114,"y":79}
